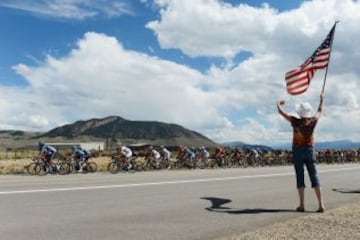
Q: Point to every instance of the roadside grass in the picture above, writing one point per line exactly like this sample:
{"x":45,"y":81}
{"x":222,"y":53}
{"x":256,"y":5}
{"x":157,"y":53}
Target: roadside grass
{"x":17,"y":166}
{"x":341,"y":223}
{"x":102,"y":163}
{"x":13,"y":166}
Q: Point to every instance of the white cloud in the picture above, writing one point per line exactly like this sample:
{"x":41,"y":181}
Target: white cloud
{"x":212,"y":28}
{"x":71,"y":9}
{"x":101,"y":78}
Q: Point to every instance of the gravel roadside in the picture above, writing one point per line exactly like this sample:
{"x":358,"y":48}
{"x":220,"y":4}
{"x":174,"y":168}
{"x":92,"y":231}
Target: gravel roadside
{"x":341,"y":223}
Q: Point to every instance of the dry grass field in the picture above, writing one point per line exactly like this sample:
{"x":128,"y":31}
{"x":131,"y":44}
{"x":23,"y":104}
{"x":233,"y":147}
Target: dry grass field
{"x":17,"y":166}
{"x":13,"y":166}
{"x":341,"y":223}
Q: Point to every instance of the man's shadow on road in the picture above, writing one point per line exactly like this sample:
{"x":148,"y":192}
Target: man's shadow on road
{"x":346,"y":190}
{"x":217,"y":206}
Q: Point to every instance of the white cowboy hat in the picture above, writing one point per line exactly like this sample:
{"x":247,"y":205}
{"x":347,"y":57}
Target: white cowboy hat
{"x":304,"y":110}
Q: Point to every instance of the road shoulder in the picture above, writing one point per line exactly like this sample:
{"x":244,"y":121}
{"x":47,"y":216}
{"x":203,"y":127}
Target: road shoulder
{"x":341,"y":223}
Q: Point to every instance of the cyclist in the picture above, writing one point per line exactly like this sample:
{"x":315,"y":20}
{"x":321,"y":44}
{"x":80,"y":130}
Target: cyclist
{"x":204,"y":153}
{"x":237,"y":156}
{"x":181,"y":152}
{"x":154,"y":156}
{"x":219,"y":152}
{"x":166,"y":155}
{"x":219,"y":155}
{"x":81,"y":156}
{"x":254,"y":156}
{"x":127,"y":153}
{"x":154,"y":153}
{"x":47,"y":153}
{"x":190,"y":156}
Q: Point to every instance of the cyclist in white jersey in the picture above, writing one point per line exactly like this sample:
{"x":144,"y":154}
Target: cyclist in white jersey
{"x":126,"y":151}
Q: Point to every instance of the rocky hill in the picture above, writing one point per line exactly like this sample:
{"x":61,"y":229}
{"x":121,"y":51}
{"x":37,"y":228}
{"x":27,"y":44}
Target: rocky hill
{"x":339,"y":144}
{"x":126,"y":131}
{"x":10,"y":139}
{"x":242,"y":145}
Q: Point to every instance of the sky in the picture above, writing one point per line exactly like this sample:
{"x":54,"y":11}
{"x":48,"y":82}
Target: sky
{"x":214,"y":66}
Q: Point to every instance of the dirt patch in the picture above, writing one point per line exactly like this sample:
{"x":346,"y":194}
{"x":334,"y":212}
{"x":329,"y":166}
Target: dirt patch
{"x":341,"y":224}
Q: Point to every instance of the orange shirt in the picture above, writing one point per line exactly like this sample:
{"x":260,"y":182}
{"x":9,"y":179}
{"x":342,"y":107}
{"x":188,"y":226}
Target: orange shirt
{"x":303,"y":131}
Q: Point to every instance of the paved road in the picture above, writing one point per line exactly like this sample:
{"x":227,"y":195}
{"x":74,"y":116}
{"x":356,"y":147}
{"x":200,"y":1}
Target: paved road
{"x":176,"y":205}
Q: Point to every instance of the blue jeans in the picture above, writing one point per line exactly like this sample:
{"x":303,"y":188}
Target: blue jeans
{"x":301,"y":156}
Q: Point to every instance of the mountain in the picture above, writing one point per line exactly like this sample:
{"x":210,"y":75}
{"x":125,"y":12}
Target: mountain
{"x":126,"y":132}
{"x":340,"y":144}
{"x":243,"y":145}
{"x":15,"y":138}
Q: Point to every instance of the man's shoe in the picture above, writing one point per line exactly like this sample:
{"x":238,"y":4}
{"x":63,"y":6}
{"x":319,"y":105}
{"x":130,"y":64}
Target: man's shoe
{"x":321,"y":210}
{"x":300,"y":209}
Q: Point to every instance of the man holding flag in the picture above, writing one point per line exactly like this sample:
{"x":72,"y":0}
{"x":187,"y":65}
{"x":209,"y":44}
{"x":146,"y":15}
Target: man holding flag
{"x":303,"y":148}
{"x":303,"y":153}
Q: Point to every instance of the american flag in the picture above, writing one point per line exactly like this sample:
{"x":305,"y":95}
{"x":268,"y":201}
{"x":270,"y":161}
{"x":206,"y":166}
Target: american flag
{"x":298,"y":80}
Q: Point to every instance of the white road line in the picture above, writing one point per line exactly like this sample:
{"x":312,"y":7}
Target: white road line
{"x":167,"y":182}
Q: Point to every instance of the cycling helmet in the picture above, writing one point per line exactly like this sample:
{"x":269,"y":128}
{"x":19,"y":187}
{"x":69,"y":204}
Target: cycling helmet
{"x":40,"y":145}
{"x":73,"y":148}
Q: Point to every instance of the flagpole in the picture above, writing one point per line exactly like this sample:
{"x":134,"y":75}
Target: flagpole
{"x":326,"y":71}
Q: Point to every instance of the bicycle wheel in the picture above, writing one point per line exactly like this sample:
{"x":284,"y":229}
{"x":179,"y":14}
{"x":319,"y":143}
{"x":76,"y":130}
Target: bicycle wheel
{"x":41,"y":169}
{"x":91,"y":167}
{"x":137,"y":166}
{"x":113,"y":167}
{"x":200,"y":163}
{"x":64,"y":168}
{"x":145,"y":165}
{"x":30,"y":169}
{"x":230,"y":163}
{"x":212,"y":163}
{"x":179,"y":164}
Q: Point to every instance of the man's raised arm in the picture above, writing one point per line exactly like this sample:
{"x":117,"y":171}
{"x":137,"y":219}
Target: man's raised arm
{"x":279,"y":104}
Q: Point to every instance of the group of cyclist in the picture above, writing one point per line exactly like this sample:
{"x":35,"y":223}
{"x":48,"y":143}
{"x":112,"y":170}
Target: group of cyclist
{"x":157,"y":158}
{"x":48,"y":154}
{"x":194,"y":157}
{"x":160,"y":157}
{"x":153,"y":156}
{"x":185,"y":155}
{"x":192,"y":152}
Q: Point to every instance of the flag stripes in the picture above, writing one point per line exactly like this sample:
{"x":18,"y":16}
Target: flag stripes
{"x":298,"y":79}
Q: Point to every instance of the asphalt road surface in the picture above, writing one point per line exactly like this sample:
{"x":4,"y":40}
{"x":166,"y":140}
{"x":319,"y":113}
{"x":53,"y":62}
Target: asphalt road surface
{"x":161,"y":205}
